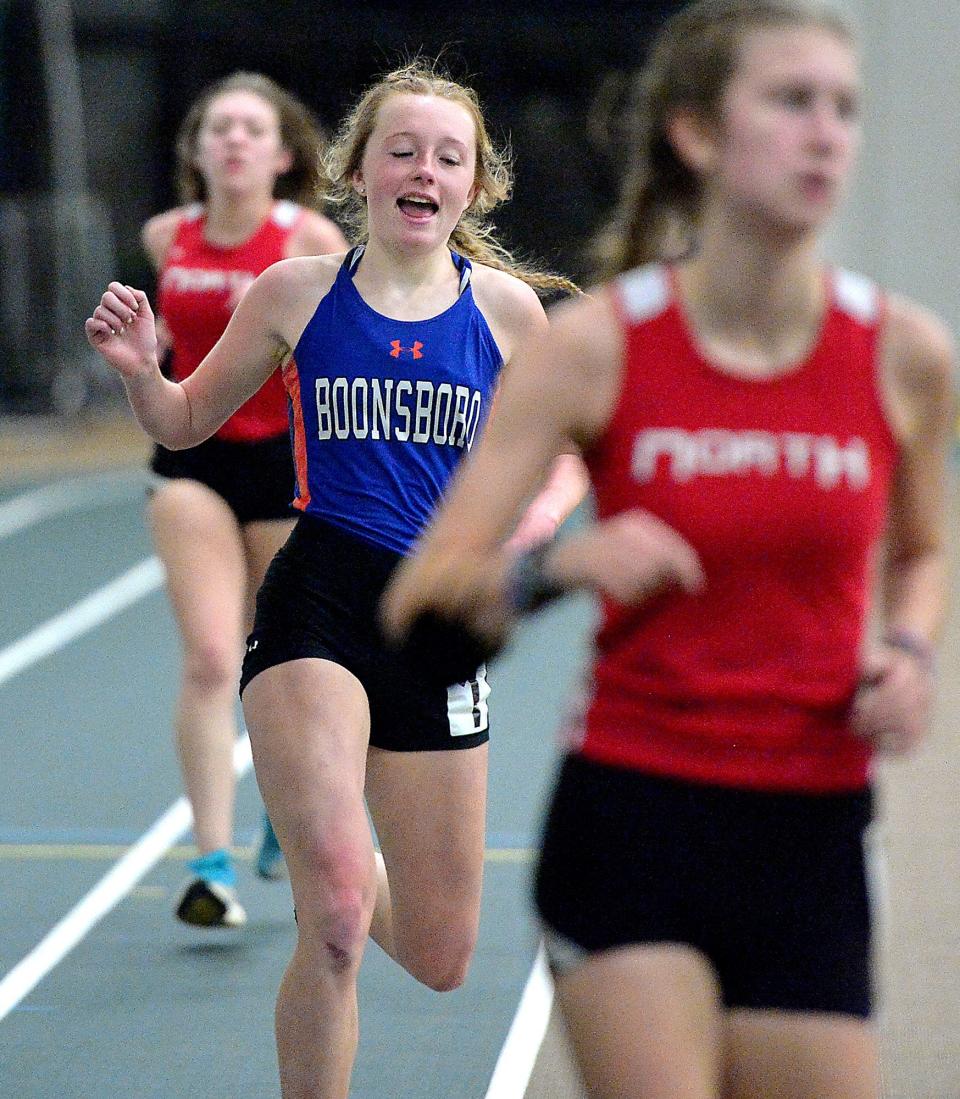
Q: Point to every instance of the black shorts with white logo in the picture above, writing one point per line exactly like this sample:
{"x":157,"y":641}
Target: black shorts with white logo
{"x":770,"y":887}
{"x":255,"y":479}
{"x":320,"y":599}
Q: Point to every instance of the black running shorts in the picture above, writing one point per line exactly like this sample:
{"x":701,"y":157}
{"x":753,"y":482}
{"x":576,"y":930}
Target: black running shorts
{"x":255,"y":479}
{"x":320,"y":599}
{"x":770,"y":887}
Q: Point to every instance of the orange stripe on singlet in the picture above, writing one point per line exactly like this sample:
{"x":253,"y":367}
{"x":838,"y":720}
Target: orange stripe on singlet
{"x":291,"y":381}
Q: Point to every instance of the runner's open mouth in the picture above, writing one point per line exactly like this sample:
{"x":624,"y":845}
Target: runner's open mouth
{"x":417,"y":207}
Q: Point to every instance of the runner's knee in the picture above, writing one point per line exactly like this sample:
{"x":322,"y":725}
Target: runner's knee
{"x":210,"y":666}
{"x":334,"y":901}
{"x":440,"y":960}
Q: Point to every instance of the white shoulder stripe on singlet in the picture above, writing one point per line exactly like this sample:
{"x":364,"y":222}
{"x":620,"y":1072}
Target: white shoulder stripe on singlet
{"x":285,"y":213}
{"x":645,"y":291}
{"x":465,"y":278}
{"x":856,"y":294}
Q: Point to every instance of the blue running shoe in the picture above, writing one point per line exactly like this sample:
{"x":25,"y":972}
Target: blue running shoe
{"x":270,"y":862}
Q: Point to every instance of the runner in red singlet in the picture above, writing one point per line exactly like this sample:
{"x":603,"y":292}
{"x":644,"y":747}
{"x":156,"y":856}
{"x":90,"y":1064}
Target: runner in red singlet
{"x":247,"y":172}
{"x":754,"y":421}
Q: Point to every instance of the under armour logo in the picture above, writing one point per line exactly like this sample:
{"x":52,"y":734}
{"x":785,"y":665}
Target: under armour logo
{"x":397,"y":349}
{"x":253,"y":645}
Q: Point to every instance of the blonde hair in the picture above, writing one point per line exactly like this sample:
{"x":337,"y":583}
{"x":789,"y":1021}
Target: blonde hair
{"x":493,"y":180}
{"x":690,"y":64}
{"x":300,"y":133}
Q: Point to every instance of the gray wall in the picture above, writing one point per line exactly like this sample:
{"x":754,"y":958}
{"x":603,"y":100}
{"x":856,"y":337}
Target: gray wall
{"x":901,"y":224}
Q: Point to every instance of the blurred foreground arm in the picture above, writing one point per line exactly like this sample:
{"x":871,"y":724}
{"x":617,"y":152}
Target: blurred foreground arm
{"x":562,"y":389}
{"x":893,"y":707}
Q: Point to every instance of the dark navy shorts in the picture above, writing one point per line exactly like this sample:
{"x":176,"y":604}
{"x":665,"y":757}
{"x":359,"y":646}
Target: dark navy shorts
{"x":255,"y":479}
{"x":770,"y":887}
{"x":320,"y":599}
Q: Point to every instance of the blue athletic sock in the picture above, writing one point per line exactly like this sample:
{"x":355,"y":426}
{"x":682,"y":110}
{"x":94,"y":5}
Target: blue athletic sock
{"x":215,"y":866}
{"x":270,"y":862}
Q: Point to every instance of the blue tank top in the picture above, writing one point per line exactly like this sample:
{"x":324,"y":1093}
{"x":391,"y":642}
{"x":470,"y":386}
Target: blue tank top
{"x":382,"y":411}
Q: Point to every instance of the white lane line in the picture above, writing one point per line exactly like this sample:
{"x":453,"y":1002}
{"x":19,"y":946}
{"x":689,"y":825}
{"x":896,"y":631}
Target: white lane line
{"x":106,"y":894}
{"x":83,"y":616}
{"x":71,"y":494}
{"x":519,"y":1054}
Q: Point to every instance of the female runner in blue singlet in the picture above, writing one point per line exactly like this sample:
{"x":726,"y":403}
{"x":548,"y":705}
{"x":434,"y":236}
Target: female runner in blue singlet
{"x":390,"y":355}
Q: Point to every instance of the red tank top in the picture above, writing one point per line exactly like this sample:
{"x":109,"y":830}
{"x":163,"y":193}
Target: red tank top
{"x":781,"y":486}
{"x":200,"y":285}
